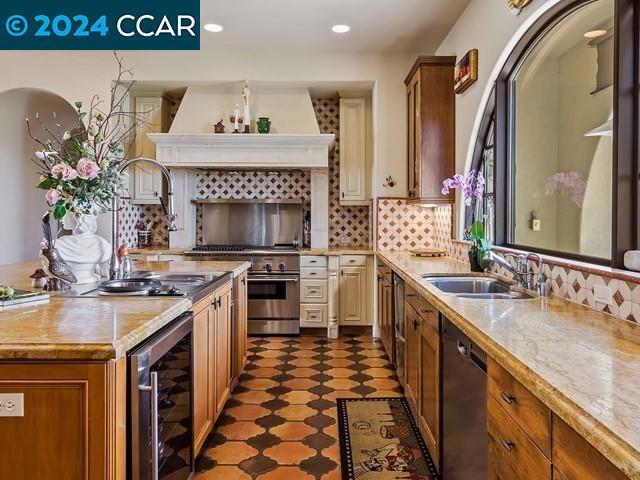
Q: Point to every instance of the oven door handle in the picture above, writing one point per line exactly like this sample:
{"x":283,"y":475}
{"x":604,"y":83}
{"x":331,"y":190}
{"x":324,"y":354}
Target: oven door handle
{"x":153,"y":388}
{"x":272,"y":279}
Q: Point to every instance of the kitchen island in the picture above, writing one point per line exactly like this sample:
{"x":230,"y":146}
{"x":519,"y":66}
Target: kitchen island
{"x":68,"y":358}
{"x":559,"y":373}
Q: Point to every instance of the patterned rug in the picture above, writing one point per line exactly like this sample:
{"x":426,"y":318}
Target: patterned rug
{"x":379,"y":440}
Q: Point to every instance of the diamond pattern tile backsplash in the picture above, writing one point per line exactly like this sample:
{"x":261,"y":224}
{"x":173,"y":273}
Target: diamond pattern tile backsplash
{"x":129,"y":216}
{"x":347,"y":225}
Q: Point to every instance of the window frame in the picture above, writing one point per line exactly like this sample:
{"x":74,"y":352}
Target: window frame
{"x":625,"y":225}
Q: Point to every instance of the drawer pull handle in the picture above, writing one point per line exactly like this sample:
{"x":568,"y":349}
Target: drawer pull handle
{"x":352,"y":261}
{"x":424,"y":310}
{"x":313,"y":261}
{"x":509,"y":399}
{"x":508,"y":446}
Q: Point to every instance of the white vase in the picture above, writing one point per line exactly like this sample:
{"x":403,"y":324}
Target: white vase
{"x":85,"y":252}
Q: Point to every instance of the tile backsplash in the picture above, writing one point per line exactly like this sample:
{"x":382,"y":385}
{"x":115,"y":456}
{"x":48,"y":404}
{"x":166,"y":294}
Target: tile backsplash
{"x":350,"y":225}
{"x":402,"y":227}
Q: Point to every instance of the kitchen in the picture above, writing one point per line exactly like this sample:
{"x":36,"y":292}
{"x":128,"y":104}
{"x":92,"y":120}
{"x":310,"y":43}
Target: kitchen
{"x":401,"y":247}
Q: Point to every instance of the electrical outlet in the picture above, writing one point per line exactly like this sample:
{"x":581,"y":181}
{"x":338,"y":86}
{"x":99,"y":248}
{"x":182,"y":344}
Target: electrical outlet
{"x":602,"y":294}
{"x":11,"y":404}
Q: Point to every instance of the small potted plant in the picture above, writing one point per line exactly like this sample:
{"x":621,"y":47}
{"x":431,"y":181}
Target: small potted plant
{"x":472,"y":186}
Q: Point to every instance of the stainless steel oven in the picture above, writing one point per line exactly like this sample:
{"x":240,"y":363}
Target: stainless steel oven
{"x":161,"y":408}
{"x":274,"y":303}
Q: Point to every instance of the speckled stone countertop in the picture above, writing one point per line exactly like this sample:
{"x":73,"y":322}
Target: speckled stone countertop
{"x":583,"y":364}
{"x":90,"y":328}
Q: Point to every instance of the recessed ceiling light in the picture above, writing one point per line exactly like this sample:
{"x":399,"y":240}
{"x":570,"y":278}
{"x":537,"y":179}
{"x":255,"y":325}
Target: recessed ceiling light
{"x":213,"y":27}
{"x":341,"y":28}
{"x":595,"y":34}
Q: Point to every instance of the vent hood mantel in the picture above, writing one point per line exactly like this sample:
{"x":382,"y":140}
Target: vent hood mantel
{"x":259,"y":151}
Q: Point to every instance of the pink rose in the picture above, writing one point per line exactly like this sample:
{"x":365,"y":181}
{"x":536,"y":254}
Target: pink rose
{"x":52,"y":196}
{"x":87,"y":169}
{"x":64,"y":171}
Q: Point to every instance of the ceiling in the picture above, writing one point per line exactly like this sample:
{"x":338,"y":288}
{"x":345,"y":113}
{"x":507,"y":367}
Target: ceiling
{"x":377,"y":26}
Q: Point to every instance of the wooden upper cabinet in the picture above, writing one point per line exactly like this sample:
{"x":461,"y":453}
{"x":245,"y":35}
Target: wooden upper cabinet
{"x":353,"y":152}
{"x":431,"y":129}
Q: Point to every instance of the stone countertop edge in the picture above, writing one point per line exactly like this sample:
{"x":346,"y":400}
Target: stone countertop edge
{"x":618,"y":451}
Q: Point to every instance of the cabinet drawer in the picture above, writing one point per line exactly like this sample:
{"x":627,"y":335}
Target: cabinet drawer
{"x":313,"y":272}
{"x":576,"y":459}
{"x":353,"y":260}
{"x":313,"y":261}
{"x":313,"y":315}
{"x":521,"y":405}
{"x":313,"y":291}
{"x":421,"y":305}
{"x":517,"y":447}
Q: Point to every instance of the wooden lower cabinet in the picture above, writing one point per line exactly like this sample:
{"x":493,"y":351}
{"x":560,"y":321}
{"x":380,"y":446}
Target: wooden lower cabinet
{"x":240,"y":332}
{"x":202,"y":403}
{"x":412,"y":356}
{"x":385,"y":308}
{"x":429,"y":403}
{"x":221,"y":369}
{"x":73,"y":425}
{"x":575,"y":459}
{"x":353,"y":295}
{"x":212,"y":361}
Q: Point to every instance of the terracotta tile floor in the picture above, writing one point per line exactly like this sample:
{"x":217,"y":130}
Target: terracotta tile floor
{"x":281,"y":421}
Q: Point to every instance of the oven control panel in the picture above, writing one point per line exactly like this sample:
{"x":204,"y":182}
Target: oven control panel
{"x":288,"y":263}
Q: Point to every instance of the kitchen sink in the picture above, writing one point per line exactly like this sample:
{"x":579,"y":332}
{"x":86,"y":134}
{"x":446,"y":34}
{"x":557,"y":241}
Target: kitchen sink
{"x":476,"y":287}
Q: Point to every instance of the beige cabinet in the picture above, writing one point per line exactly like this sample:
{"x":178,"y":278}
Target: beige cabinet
{"x":353,"y":152}
{"x":146,"y":181}
{"x":353,"y":295}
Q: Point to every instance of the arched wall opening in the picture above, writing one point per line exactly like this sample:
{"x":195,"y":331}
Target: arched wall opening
{"x":22,"y":204}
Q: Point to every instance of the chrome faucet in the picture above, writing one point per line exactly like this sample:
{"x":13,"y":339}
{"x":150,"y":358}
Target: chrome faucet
{"x":170,"y":216}
{"x":524,"y":276}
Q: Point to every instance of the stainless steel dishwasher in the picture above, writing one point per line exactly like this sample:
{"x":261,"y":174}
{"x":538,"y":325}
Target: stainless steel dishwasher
{"x":464,"y":406}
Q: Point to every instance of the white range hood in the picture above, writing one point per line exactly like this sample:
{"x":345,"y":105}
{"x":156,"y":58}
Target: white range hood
{"x":255,"y":151}
{"x":295,"y":142}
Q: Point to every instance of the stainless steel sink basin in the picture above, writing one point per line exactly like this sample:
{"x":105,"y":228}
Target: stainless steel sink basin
{"x":193,"y":279}
{"x":476,"y":287}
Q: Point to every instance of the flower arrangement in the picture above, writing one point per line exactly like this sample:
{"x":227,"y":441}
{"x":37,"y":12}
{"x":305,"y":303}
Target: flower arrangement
{"x":570,"y":182}
{"x":472,"y":186}
{"x":79,"y":167}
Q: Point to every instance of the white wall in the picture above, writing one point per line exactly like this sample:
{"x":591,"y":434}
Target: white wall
{"x":22,"y":204}
{"x":80,"y":75}
{"x":489,"y":26}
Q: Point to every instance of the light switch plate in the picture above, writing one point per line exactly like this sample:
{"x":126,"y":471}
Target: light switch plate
{"x":602,"y":294}
{"x":11,"y":404}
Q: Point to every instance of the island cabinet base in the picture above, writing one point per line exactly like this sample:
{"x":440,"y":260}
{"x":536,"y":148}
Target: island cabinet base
{"x":74,"y":423}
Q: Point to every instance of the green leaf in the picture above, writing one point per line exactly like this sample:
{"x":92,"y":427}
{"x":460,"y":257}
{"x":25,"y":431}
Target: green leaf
{"x":477,"y":231}
{"x":60,"y":210}
{"x":46,"y":184}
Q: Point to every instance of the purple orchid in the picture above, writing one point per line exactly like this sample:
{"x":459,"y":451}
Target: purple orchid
{"x":472,"y":186}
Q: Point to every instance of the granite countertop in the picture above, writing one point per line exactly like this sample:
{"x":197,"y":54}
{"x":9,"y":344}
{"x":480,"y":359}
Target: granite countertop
{"x":583,"y":364}
{"x":90,"y":328}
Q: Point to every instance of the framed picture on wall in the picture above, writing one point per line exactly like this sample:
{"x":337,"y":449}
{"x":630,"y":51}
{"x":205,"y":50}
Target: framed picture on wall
{"x":466,"y":71}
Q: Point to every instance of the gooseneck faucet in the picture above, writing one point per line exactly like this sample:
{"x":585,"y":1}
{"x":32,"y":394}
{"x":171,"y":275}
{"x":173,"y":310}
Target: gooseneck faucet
{"x":170,"y":216}
{"x":524,"y":276}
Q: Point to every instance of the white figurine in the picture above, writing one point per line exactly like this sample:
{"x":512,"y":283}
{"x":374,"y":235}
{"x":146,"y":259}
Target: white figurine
{"x":246,"y":96}
{"x":84,"y":252}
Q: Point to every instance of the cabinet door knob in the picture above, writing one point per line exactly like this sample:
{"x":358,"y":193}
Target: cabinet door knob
{"x":244,"y":280}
